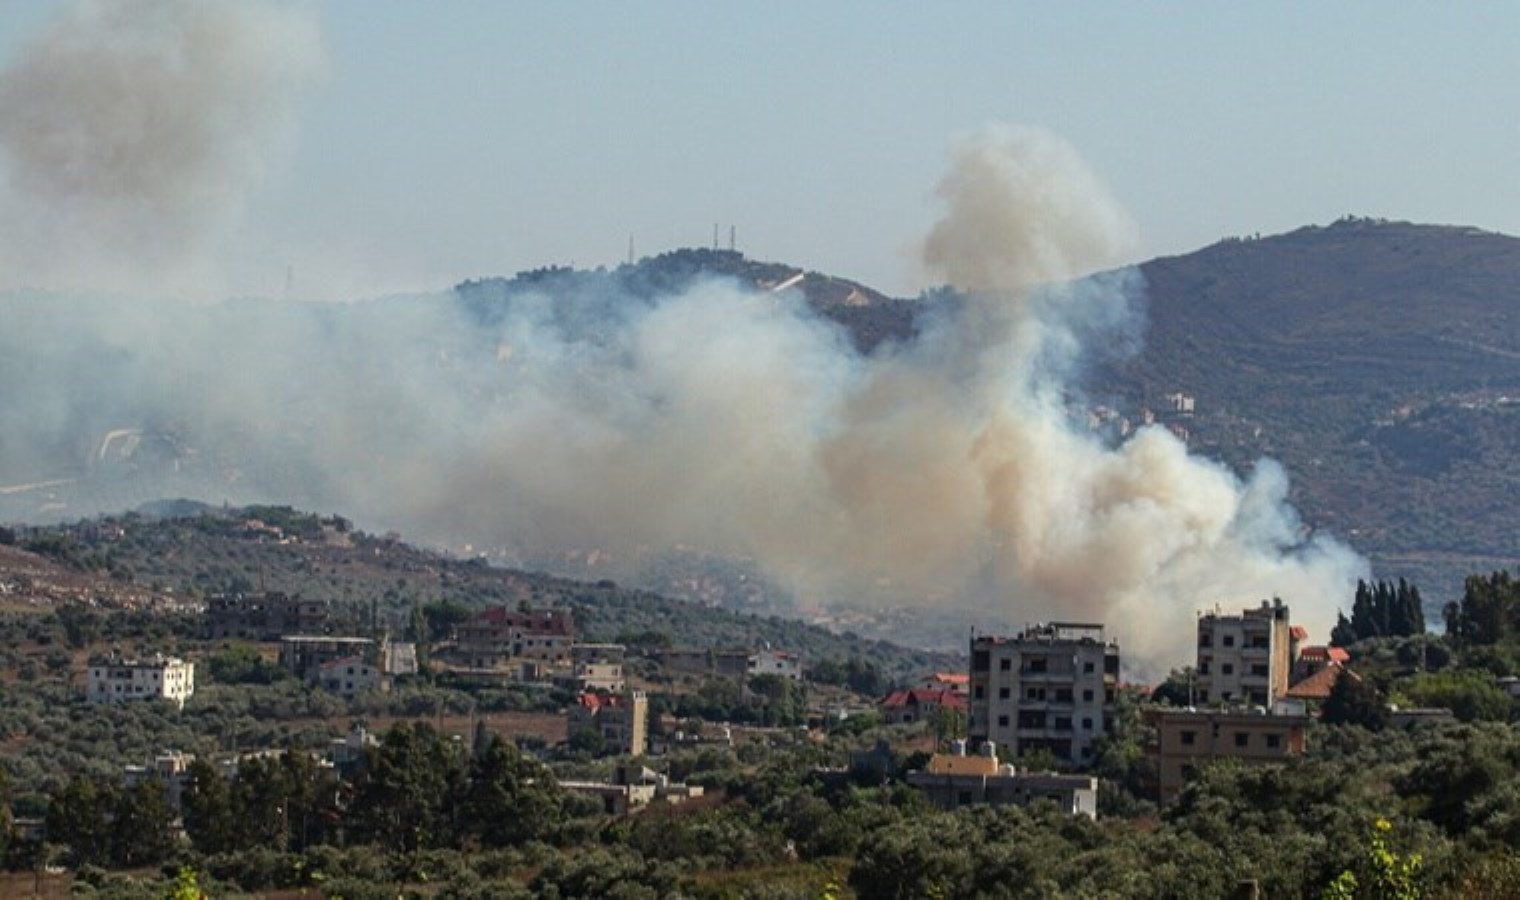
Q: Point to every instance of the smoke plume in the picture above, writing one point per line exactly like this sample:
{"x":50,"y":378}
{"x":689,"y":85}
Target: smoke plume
{"x":563,"y":416}
{"x":131,"y":132}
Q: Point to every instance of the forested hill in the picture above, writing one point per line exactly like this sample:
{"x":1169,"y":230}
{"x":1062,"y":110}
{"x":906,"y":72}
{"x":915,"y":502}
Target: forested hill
{"x":1378,"y":361}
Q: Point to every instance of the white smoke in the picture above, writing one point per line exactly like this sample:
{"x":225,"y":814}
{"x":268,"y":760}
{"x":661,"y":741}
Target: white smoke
{"x":945,"y":469}
{"x":131,"y":132}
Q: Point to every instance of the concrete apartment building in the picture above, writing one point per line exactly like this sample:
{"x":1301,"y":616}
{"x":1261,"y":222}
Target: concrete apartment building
{"x":498,"y":636}
{"x":1245,"y":658}
{"x":304,"y":655}
{"x":621,"y":719}
{"x":952,"y":780}
{"x":350,"y":676}
{"x":159,"y":678}
{"x":264,"y":617}
{"x":1051,"y":688}
{"x":1187,"y":740}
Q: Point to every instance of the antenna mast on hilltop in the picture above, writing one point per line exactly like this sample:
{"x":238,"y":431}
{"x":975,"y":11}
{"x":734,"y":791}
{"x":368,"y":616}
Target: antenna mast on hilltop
{"x":715,"y":235}
{"x":733,"y":230}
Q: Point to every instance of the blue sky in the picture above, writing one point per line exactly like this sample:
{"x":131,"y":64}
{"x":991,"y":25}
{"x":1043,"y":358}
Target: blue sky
{"x":472,"y":138}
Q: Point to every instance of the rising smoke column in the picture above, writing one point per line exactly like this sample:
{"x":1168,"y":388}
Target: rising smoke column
{"x":131,"y":132}
{"x":1137,"y":536}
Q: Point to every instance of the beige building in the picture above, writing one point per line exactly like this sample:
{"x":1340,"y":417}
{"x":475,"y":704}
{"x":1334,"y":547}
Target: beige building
{"x":159,"y":678}
{"x":1187,"y":740}
{"x":499,"y":636}
{"x":952,"y":780}
{"x":1245,"y":658}
{"x":1052,"y":688}
{"x":621,"y":719}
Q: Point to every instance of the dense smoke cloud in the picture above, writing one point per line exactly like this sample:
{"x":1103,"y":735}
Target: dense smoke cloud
{"x":578,"y":415}
{"x":131,"y":132}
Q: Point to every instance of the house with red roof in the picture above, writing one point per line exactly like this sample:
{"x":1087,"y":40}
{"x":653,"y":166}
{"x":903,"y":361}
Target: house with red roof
{"x":960,"y":682}
{"x":917,"y":704}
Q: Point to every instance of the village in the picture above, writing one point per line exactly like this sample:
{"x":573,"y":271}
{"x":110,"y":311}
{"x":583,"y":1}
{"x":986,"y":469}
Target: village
{"x":1019,"y":727}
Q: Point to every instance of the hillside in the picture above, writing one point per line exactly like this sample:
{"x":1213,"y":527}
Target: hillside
{"x":138,"y":561}
{"x":1378,"y":361}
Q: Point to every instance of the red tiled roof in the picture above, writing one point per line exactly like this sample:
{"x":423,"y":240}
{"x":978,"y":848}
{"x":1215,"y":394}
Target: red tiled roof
{"x":594,"y":701}
{"x":552,"y":621}
{"x":1319,"y":685}
{"x":1329,"y":654}
{"x":924,"y":697}
{"x":952,"y":677}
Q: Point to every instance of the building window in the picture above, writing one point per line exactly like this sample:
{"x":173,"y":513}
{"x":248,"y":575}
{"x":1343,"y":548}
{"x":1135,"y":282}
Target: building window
{"x":1087,"y":696}
{"x":1063,"y":695}
{"x":1063,"y":723}
{"x":1088,"y":668}
{"x":1205,"y":639}
{"x":1259,"y":669}
{"x":1036,"y":664}
{"x":1242,"y":739}
{"x":1229,"y":640}
{"x":979,"y":661}
{"x":1228,"y":669}
{"x":979,"y":692}
{"x":1002,"y":721}
{"x":1087,"y":724}
{"x":1274,"y":741}
{"x":1005,"y":665}
{"x":1189,"y":738}
{"x":1002,"y":693}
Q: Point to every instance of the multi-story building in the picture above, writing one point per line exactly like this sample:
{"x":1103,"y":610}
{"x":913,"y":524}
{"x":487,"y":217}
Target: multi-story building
{"x":303,"y":655}
{"x":264,"y":617}
{"x":500,"y":635}
{"x":621,"y":719}
{"x":1052,"y":687}
{"x":159,"y":678}
{"x":1188,"y":739}
{"x":780,"y":663}
{"x":350,"y":676}
{"x":732,"y":663}
{"x":953,"y":780}
{"x":1245,"y":658}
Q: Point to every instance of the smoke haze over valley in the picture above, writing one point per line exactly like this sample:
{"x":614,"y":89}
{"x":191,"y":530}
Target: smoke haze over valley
{"x":531,"y":422}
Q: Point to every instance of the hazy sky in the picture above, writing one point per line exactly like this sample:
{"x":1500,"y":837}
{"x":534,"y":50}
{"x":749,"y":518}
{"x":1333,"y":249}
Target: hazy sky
{"x":447,"y":141}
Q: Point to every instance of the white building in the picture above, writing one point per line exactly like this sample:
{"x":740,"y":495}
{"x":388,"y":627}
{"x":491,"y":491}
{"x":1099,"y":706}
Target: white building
{"x":350,"y":676}
{"x":776,"y":662}
{"x":1052,"y":687}
{"x":1246,"y":658}
{"x":159,"y":678}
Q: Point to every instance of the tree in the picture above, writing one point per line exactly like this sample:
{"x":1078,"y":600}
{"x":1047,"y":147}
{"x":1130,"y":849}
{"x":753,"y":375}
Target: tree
{"x":77,"y":818}
{"x":405,"y":795}
{"x":511,"y":798}
{"x":1353,"y":701}
{"x":1489,"y":611}
{"x":1381,"y":609}
{"x":210,"y":820}
{"x":140,"y":825}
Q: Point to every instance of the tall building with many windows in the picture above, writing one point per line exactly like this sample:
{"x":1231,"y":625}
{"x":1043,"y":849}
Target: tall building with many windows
{"x":1052,"y":688}
{"x":1245,"y":658}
